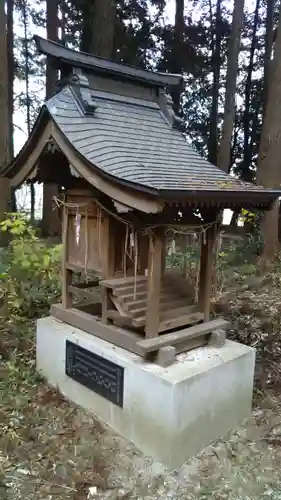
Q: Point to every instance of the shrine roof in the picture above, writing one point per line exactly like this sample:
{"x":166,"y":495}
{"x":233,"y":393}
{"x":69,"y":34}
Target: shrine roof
{"x":131,"y":138}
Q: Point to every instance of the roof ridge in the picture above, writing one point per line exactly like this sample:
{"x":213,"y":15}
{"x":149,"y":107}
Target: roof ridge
{"x":64,"y":55}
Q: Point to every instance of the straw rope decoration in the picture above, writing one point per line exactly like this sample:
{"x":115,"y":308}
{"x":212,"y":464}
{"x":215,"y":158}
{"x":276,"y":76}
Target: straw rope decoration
{"x":86,"y":243}
{"x":131,"y":249}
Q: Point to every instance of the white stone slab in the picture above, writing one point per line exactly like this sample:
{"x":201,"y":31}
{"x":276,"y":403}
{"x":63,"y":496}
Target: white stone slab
{"x":169,"y":413}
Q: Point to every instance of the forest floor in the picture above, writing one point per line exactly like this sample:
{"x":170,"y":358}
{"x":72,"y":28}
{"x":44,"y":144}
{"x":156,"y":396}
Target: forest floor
{"x":51,"y":449}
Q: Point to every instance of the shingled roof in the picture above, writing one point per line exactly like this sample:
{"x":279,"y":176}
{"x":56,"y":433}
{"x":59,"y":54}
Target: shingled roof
{"x":133,"y":140}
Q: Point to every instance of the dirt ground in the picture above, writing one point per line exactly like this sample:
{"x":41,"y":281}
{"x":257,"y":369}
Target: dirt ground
{"x":51,"y":449}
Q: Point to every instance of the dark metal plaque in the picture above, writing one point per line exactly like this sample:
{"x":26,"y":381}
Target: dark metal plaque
{"x":97,"y":373}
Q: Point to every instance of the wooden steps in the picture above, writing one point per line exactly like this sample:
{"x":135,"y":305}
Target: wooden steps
{"x":141,"y":298}
{"x":174,"y":318}
{"x":129,"y":296}
{"x":135,"y":309}
{"x":123,"y":282}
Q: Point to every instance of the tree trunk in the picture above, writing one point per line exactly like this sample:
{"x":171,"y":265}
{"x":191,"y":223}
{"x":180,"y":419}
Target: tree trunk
{"x":230,"y":90}
{"x":86,"y":44}
{"x":216,"y":63}
{"x":51,"y":224}
{"x":268,"y":49}
{"x":4,"y":122}
{"x":268,"y":168}
{"x":11,"y":71}
{"x":27,"y":97}
{"x":270,"y":234}
{"x":247,"y":156}
{"x":98,"y":29}
{"x":63,"y":21}
{"x":11,"y":75}
{"x":52,"y":34}
{"x":178,"y":51}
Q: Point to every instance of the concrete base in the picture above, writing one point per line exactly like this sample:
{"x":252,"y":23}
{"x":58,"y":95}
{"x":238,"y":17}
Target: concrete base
{"x":168,"y":413}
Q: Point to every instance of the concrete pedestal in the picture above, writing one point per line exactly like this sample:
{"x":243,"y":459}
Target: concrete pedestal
{"x":168,"y":413}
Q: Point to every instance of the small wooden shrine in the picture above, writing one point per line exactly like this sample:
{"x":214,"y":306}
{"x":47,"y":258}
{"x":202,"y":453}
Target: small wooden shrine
{"x":129,"y":180}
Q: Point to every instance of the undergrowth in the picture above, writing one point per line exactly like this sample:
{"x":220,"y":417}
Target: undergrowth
{"x":30,"y":278}
{"x":39,"y":430}
{"x":29,"y":283}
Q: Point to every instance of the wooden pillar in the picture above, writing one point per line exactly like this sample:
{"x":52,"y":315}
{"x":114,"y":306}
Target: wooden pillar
{"x":66,"y":273}
{"x":105,"y":305}
{"x":108,"y":245}
{"x":163,"y":256}
{"x":155,"y":268}
{"x":206,"y":271}
{"x":51,"y":224}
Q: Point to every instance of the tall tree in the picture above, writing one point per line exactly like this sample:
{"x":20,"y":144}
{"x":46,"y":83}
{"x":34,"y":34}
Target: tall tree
{"x":11,"y":72}
{"x":52,"y":24}
{"x":247,"y":156}
{"x":268,"y":169}
{"x":51,"y":222}
{"x":216,"y":38}
{"x":11,"y":77}
{"x":4,"y":113}
{"x":268,"y":47}
{"x":87,"y":20}
{"x":98,"y":27}
{"x":178,"y":50}
{"x":103,"y":27}
{"x":137,"y":32}
{"x":24,"y":9}
{"x":224,"y":155}
{"x":63,"y":22}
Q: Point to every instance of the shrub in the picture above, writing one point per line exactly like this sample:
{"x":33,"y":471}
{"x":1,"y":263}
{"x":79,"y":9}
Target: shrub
{"x":29,"y":270}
